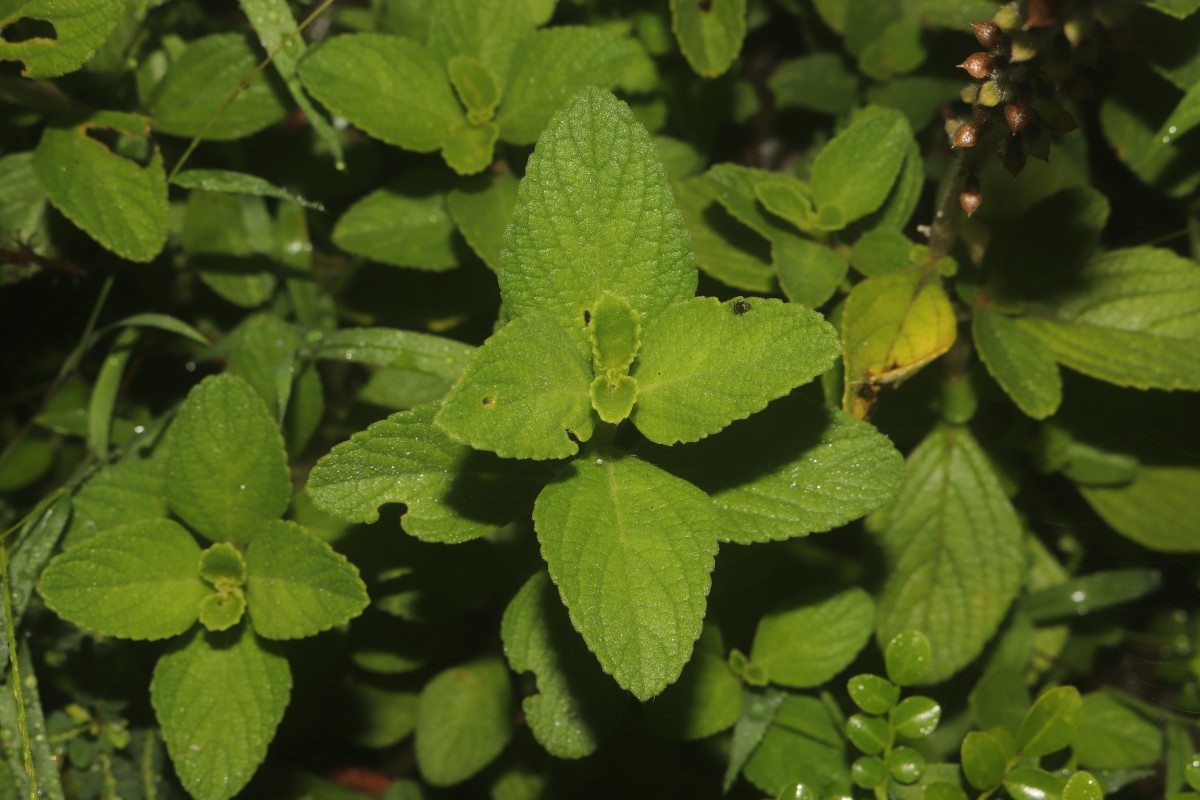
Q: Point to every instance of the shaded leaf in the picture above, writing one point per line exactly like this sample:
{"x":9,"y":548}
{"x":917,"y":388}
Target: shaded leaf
{"x":464,"y":720}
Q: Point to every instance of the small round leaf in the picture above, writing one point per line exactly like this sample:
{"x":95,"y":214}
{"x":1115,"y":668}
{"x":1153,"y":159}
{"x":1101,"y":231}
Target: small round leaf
{"x":984,"y":760}
{"x":868,"y":772}
{"x":1192,"y":772}
{"x":220,"y":611}
{"x":1082,"y":786}
{"x":943,"y":791}
{"x":916,"y":717}
{"x":869,"y":734}
{"x":906,"y":765}
{"x":223,"y":563}
{"x":873,"y":694}
{"x":1051,"y":724}
{"x":907,"y":656}
{"x":1031,"y":783}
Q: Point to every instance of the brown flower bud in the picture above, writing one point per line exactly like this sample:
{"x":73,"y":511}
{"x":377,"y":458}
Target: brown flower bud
{"x":988,"y":34}
{"x":967,"y":135}
{"x":970,"y":198}
{"x":1018,"y":115}
{"x":978,"y":65}
{"x":1014,"y":161}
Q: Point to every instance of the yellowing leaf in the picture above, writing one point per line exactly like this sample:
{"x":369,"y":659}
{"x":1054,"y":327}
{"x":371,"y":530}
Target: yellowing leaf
{"x":893,"y":325}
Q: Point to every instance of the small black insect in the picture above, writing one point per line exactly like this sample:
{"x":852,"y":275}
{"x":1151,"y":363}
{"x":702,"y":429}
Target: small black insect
{"x":587,"y":317}
{"x":741,"y":307}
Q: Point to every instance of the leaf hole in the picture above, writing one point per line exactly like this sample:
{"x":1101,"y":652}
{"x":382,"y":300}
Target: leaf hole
{"x":120,"y":143}
{"x":28,"y":29}
{"x":489,"y":400}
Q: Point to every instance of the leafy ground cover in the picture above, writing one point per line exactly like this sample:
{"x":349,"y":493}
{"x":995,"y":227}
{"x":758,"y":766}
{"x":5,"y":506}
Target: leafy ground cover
{"x":529,"y":399}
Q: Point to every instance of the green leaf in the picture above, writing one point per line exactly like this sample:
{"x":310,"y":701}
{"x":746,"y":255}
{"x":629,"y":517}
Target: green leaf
{"x":219,"y":698}
{"x":127,"y":491}
{"x":626,"y":237}
{"x":162,"y":322}
{"x":80,"y":27}
{"x":393,"y":88}
{"x":1031,"y":783}
{"x":868,"y":772}
{"x":229,"y":240}
{"x":984,"y":760}
{"x":704,"y":364}
{"x":896,"y":51}
{"x":378,"y":718}
{"x":826,"y":469}
{"x":869,"y":734}
{"x":404,"y":224}
{"x":482,"y":211}
{"x":817,"y":82}
{"x":892,"y":326}
{"x":490,"y":31}
{"x":264,"y":355}
{"x":1130,"y":317}
{"x":199,"y":83}
{"x":1192,"y":772}
{"x":735,"y":189}
{"x":464,"y":720}
{"x":1169,"y":490}
{"x":807,"y":645}
{"x":916,"y":717}
{"x":710,"y":32}
{"x":856,"y":170}
{"x":1051,"y":724}
{"x":296,"y":585}
{"x":549,"y":68}
{"x":388,"y":347}
{"x":226,"y":469}
{"x":119,"y":203}
{"x":630,"y":548}
{"x":1113,"y":736}
{"x":22,"y":198}
{"x":873,"y":694}
{"x":224,"y":180}
{"x":881,"y":251}
{"x":452,"y":493}
{"x":1090,"y":593}
{"x":526,"y":393}
{"x":614,"y":332}
{"x":706,"y":699}
{"x":1019,"y":363}
{"x":469,"y":148}
{"x":809,"y":273}
{"x":789,"y":198}
{"x":576,"y":705}
{"x":38,"y":538}
{"x":138,"y":581}
{"x":724,"y":248}
{"x":908,"y":656}
{"x":802,"y":746}
{"x":954,"y":546}
{"x":759,"y":707}
{"x":475,"y":86}
{"x":1082,"y":786}
{"x":905,"y":765}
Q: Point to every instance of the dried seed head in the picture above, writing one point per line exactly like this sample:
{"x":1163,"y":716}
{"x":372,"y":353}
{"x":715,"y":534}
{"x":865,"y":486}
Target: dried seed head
{"x":970,"y":198}
{"x":978,"y":65}
{"x":988,"y":34}
{"x":1014,"y":161}
{"x":967,"y":135}
{"x":1018,"y":115}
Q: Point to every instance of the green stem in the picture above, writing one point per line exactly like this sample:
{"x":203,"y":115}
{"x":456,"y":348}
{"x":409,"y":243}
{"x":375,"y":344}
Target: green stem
{"x":14,"y":679}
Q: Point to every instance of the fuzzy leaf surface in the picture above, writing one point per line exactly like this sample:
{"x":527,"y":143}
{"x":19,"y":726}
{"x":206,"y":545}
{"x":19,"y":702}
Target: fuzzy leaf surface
{"x":953,"y":544}
{"x":576,"y":705}
{"x":594,"y":213}
{"x":297,"y":585}
{"x":219,"y":699}
{"x":631,"y":550}
{"x":453,"y":493}
{"x":482,"y":211}
{"x":226,"y":470}
{"x":127,"y":491}
{"x":138,"y":581}
{"x":704,"y":364}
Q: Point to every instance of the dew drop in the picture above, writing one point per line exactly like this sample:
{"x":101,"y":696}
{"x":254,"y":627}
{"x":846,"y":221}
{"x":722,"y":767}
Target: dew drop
{"x":599,"y":462}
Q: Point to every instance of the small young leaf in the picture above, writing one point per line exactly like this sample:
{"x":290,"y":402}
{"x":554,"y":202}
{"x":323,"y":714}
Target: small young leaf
{"x":80,"y":27}
{"x":393,"y":88}
{"x":809,"y":273}
{"x":613,"y":398}
{"x":404,"y":224}
{"x":526,"y":394}
{"x":868,"y":772}
{"x":468,"y":148}
{"x":453,"y":494}
{"x":704,"y":364}
{"x":219,"y":698}
{"x":549,"y":68}
{"x":482,"y":211}
{"x":119,"y":203}
{"x":489,"y":31}
{"x":226,"y":470}
{"x":464,"y":720}
{"x":908,"y":656}
{"x":706,"y":699}
{"x":475,"y":86}
{"x":879,"y":252}
{"x":630,"y":548}
{"x":1019,"y":363}
{"x":869,"y":734}
{"x":856,"y":170}
{"x":807,"y":645}
{"x":905,"y":765}
{"x":615,"y":333}
{"x":1051,"y":724}
{"x":984,"y":760}
{"x":577,"y":705}
{"x":296,"y":585}
{"x":211,"y":69}
{"x":873,"y":694}
{"x":1082,"y":786}
{"x":892,"y":326}
{"x":954,"y":543}
{"x":1113,"y":736}
{"x":724,"y":248}
{"x":1031,"y":783}
{"x":916,"y":717}
{"x":595,"y":213}
{"x":710,"y":32}
{"x":802,"y":746}
{"x":138,"y":581}
{"x":734,"y":186}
